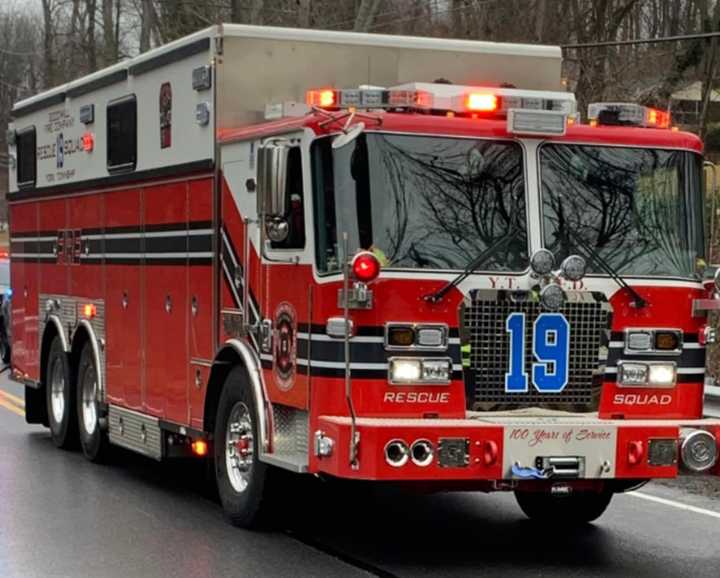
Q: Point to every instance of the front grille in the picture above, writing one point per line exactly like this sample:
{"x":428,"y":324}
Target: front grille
{"x":483,"y":317}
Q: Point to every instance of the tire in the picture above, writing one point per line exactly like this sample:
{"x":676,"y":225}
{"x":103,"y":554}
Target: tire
{"x":243,"y":481}
{"x":60,"y":398}
{"x":93,"y":439}
{"x":579,"y":508}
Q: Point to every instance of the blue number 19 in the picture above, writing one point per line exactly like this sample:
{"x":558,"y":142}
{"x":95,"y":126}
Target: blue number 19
{"x":551,"y":349}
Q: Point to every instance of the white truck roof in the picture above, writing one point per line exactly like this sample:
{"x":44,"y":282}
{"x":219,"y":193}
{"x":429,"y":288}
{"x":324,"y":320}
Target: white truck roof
{"x":251,"y":66}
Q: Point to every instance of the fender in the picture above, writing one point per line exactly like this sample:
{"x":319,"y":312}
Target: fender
{"x":96,"y":354}
{"x":252,"y":364}
{"x":55,"y":320}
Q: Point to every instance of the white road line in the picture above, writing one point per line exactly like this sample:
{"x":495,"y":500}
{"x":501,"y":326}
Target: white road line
{"x":673,"y":504}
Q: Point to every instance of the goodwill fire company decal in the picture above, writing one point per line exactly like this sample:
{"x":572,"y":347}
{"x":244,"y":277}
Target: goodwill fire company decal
{"x":285,"y":346}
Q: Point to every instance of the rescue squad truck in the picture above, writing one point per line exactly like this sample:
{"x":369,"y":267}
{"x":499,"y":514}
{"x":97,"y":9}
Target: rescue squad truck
{"x":367,"y":257}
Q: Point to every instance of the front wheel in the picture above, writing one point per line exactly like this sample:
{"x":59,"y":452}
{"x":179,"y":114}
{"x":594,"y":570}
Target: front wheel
{"x":242,"y":479}
{"x":577,"y":508}
{"x":93,"y":439}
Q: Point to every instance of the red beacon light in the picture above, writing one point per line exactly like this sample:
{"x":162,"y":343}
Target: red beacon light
{"x":324,"y":98}
{"x":481,"y":102}
{"x":365,"y":267}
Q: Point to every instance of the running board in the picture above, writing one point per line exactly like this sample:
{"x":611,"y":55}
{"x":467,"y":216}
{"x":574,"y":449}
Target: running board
{"x":135,"y":431}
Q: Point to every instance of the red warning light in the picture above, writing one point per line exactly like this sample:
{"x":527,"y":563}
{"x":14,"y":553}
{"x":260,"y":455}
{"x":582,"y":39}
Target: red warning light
{"x":88,"y":142}
{"x":322,"y":98}
{"x":365,"y":267}
{"x":89,"y":310}
{"x":481,"y":102}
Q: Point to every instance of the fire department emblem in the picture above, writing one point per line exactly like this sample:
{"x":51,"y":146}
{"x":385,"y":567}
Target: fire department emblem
{"x":285,"y":346}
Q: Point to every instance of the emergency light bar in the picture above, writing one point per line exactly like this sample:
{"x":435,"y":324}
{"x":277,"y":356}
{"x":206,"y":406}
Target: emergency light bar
{"x":627,"y":114}
{"x":530,"y":112}
{"x":365,"y":98}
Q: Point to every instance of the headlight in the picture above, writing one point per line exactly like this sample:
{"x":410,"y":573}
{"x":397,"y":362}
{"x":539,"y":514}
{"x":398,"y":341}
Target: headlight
{"x":651,"y":374}
{"x":632,"y":373}
{"x":420,"y":371}
{"x":662,"y":374}
{"x":405,"y":370}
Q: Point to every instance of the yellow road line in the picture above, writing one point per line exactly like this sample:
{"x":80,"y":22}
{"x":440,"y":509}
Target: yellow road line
{"x":12,"y":408}
{"x":19,"y":401}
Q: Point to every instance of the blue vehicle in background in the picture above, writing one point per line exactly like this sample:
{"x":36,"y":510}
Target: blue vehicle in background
{"x":5,"y":301}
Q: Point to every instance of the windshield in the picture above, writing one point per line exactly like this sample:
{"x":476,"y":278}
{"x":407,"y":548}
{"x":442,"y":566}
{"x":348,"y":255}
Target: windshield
{"x":639,"y":209}
{"x":420,"y":202}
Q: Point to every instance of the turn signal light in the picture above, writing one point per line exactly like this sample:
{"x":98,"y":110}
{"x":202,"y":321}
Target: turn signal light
{"x":365,"y":267}
{"x":89,"y":310}
{"x":667,"y":340}
{"x":200,"y":448}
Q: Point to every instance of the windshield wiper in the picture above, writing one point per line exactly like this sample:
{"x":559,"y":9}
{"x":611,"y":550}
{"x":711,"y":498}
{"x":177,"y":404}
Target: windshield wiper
{"x":590,"y":253}
{"x":480,"y":260}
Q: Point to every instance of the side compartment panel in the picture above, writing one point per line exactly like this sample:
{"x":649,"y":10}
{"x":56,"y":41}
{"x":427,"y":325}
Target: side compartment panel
{"x":123,"y":299}
{"x":200,"y":292}
{"x":167,"y":305}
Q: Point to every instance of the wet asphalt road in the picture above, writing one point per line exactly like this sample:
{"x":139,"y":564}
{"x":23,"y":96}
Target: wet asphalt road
{"x":63,"y":517}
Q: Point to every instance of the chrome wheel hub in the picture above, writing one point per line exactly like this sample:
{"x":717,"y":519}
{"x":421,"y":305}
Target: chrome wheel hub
{"x":239,"y":447}
{"x":89,"y":407}
{"x":57,"y":391}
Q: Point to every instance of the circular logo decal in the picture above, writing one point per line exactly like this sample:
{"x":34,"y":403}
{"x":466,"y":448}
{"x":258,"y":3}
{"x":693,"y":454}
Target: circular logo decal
{"x":284,"y":346}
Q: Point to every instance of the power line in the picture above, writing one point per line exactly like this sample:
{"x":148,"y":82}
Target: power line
{"x":677,"y":38}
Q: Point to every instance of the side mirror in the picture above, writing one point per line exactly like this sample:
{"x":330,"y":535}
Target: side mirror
{"x":711,"y":208}
{"x":271,"y":181}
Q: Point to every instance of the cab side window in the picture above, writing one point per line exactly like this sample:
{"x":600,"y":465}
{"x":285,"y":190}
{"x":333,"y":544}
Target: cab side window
{"x":295,"y":214}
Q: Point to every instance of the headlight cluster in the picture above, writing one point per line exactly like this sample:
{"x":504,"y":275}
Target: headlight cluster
{"x":420,"y":370}
{"x":646,"y":374}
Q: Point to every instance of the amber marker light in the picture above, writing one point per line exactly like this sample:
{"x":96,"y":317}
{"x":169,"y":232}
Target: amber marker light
{"x":200,"y":448}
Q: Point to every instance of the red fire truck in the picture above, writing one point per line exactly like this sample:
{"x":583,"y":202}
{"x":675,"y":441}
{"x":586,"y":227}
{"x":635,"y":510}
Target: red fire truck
{"x":365,"y":257}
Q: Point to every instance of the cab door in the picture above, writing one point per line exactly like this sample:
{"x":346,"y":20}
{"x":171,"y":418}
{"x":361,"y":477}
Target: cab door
{"x":287,"y":291}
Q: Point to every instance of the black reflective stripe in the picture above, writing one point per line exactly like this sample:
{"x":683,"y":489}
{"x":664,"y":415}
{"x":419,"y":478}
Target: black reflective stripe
{"x":179,"y":170}
{"x":180,"y":53}
{"x":365,"y":352}
{"x":98,"y":83}
{"x":687,"y":337}
{"x":46,"y":102}
{"x":688,"y":357}
{"x":681,"y":378}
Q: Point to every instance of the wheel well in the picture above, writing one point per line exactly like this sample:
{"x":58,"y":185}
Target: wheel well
{"x":223,"y":364}
{"x":51,"y":333}
{"x":80,"y":338}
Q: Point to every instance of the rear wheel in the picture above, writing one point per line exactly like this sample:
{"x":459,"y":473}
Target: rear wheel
{"x":93,"y":440}
{"x":242,"y":479}
{"x":577,"y":508}
{"x":60,"y":397}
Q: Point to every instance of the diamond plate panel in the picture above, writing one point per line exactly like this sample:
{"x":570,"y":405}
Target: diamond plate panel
{"x":291,"y":430}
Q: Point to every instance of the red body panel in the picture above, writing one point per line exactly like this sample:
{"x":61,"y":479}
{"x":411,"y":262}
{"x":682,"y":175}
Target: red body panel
{"x":163,"y":326}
